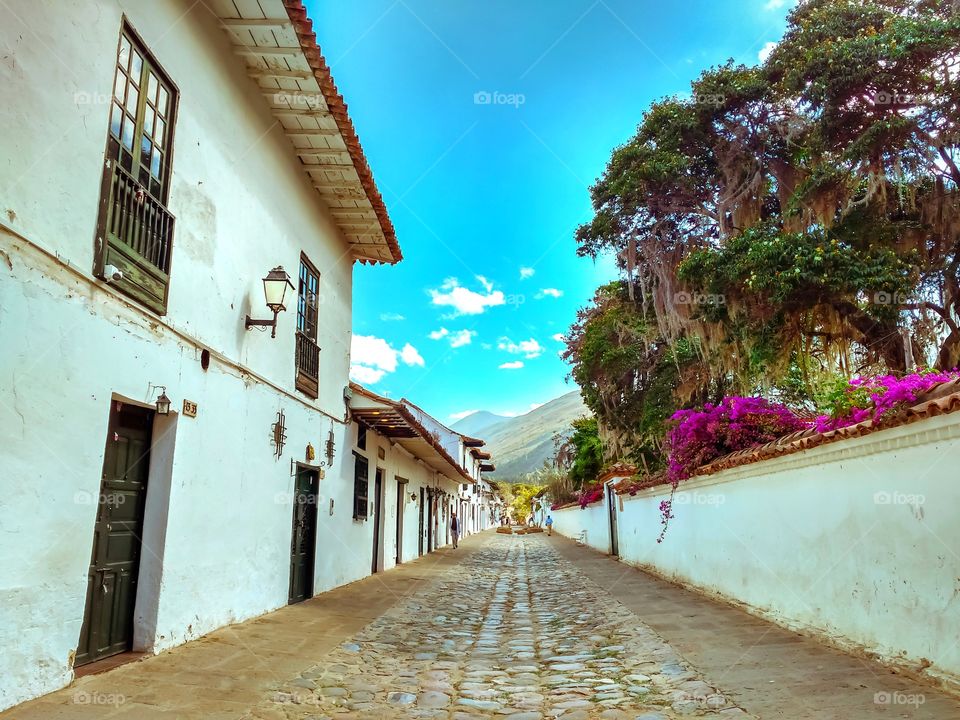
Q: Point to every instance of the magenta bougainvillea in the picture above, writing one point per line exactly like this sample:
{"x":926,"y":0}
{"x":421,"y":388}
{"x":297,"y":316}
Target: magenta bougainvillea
{"x":590,"y":494}
{"x":700,"y":436}
{"x":871,"y":398}
{"x":736,"y":423}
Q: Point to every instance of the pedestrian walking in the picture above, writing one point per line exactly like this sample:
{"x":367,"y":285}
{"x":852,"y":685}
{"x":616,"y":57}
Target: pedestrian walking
{"x":454,"y":529}
{"x":549,"y":525}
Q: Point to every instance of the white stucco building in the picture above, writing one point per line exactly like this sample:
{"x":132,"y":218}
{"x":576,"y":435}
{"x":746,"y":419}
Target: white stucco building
{"x":159,"y":161}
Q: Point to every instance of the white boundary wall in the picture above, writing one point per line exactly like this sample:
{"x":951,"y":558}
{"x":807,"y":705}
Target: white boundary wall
{"x":856,"y":542}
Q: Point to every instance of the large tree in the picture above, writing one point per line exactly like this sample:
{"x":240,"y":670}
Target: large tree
{"x":804,"y":212}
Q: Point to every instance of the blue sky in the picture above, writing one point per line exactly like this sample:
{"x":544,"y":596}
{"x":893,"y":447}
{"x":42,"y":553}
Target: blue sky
{"x":485,"y":122}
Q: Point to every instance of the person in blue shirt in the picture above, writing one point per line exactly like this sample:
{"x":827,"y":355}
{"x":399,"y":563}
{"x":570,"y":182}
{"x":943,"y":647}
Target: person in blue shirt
{"x":549,"y":525}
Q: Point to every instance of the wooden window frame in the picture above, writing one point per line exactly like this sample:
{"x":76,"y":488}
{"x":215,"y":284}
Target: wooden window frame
{"x":307,"y":354}
{"x":135,"y":228}
{"x":361,"y":487}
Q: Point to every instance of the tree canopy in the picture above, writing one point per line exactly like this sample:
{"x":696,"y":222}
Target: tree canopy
{"x":784,"y":221}
{"x":804,"y":208}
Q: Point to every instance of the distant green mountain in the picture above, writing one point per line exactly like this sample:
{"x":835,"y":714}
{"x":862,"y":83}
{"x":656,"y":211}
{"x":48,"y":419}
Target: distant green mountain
{"x":475,"y":424}
{"x":520,"y":444}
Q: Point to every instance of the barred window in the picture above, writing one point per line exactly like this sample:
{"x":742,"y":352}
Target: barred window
{"x":134,"y":226}
{"x":307,"y":351}
{"x":360,"y":483}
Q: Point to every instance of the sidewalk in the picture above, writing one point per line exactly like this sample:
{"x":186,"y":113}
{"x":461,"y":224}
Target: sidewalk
{"x":225,"y":673}
{"x":769,"y":671}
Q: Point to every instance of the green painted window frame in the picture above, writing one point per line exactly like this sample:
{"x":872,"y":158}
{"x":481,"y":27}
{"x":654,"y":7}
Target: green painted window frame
{"x":135,"y":228}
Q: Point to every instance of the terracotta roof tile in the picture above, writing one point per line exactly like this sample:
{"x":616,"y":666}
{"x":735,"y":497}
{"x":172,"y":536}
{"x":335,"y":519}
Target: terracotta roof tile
{"x":338,"y":109}
{"x":938,"y":400}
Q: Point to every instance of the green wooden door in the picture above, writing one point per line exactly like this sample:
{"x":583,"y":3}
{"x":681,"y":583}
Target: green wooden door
{"x":304,"y":535}
{"x":112,"y":577}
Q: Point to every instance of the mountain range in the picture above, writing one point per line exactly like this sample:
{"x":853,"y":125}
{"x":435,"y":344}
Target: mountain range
{"x":520,"y":444}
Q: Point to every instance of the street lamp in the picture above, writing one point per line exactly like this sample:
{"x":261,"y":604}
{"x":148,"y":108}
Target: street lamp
{"x":163,"y":402}
{"x":275,"y":286}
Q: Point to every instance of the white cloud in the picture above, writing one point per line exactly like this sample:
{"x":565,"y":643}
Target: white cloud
{"x":534,"y":406}
{"x":391,"y":317}
{"x":366,"y":375}
{"x":528,"y":348}
{"x":774,"y":4}
{"x":461,"y":338}
{"x":465,"y":301}
{"x":765,"y":51}
{"x":457,"y":338}
{"x":515,"y":365}
{"x":371,"y":358}
{"x":549,"y":292}
{"x":558,"y":337}
{"x":462,"y":414}
{"x":526,"y":272}
{"x":410,"y":356}
{"x":374,"y":352}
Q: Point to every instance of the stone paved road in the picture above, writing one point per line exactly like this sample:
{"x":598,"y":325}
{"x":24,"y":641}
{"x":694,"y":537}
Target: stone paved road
{"x":505,"y":626}
{"x":514,"y":631}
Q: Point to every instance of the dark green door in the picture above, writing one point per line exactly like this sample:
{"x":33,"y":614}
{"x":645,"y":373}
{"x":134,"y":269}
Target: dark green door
{"x":377,"y":519}
{"x":112,"y":578}
{"x":303,"y":541}
{"x":420,"y":537}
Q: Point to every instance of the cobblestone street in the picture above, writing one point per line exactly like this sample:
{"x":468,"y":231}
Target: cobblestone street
{"x":514,"y":631}
{"x":521,"y":627}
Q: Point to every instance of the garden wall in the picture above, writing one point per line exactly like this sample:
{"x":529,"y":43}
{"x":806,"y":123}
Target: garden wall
{"x":592,"y":519}
{"x":855,"y":541}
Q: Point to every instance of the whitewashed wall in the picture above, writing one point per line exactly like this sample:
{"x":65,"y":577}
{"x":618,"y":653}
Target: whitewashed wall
{"x":591,"y":520}
{"x":856,"y":542}
{"x":219,"y":505}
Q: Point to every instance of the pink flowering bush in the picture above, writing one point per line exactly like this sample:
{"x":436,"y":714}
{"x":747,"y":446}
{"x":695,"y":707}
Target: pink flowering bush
{"x":736,"y":423}
{"x":590,"y":494}
{"x":871,"y":398}
{"x":700,"y":436}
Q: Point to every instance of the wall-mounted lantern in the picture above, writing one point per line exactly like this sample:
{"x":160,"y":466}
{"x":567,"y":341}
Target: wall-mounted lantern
{"x":163,"y":402}
{"x":330,"y":448}
{"x":275,"y":286}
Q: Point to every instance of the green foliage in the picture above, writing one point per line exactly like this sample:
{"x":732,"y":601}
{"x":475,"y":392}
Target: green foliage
{"x":810,"y":206}
{"x":521,"y":499}
{"x":798,"y":270}
{"x":796,"y":194}
{"x":838,"y":398}
{"x":627,"y":372}
{"x":587,"y":451}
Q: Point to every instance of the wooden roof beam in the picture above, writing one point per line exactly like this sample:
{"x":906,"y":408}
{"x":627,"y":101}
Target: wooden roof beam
{"x":308,"y":112}
{"x":307,"y":132}
{"x":277,"y":73}
{"x":245,"y":23}
{"x":270,"y":50}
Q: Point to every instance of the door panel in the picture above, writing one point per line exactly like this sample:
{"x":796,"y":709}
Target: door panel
{"x":303,"y":535}
{"x":112,"y":577}
{"x":377,"y":519}
{"x":420,"y":534}
{"x":614,"y":531}
{"x":401,"y":498}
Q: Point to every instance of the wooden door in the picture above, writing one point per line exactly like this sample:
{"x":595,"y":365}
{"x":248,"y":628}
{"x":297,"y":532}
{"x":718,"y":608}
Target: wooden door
{"x":107,"y":627}
{"x":420,"y":533}
{"x":303,"y":542}
{"x":614,"y":533}
{"x":377,"y":518}
{"x":429,"y":521}
{"x":401,"y":497}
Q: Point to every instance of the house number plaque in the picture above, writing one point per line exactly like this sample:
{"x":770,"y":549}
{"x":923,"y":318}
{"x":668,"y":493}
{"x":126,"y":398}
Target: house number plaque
{"x":189,"y":408}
